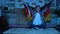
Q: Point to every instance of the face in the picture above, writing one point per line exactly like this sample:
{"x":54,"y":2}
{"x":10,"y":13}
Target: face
{"x":38,"y":9}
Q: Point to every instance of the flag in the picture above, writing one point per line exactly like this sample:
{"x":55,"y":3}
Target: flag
{"x":47,"y":16}
{"x":28,"y":14}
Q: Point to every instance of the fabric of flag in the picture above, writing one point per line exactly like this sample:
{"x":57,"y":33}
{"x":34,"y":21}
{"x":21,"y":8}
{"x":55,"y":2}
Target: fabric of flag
{"x":47,"y":15}
{"x":28,"y":14}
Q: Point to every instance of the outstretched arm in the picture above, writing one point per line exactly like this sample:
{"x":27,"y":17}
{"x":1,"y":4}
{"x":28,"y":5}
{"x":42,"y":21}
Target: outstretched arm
{"x":24,"y":5}
{"x":30,"y":6}
{"x":49,"y":4}
{"x":43,"y":9}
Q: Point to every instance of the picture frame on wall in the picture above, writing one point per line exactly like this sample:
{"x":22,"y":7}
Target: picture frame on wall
{"x":53,"y":5}
{"x":40,"y":1}
{"x":11,"y":4}
{"x":33,"y":3}
{"x":58,"y":2}
{"x":11,"y":0}
{"x":47,"y":1}
{"x":0,"y":7}
{"x":21,"y":4}
{"x":19,"y":0}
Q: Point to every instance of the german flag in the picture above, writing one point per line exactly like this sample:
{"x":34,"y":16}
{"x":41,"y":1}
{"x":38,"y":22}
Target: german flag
{"x":28,"y":14}
{"x":47,"y":15}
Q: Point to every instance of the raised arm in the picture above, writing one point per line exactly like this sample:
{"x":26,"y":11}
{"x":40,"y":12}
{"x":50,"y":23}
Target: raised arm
{"x":49,"y":4}
{"x":24,"y":5}
{"x":30,"y":6}
{"x":43,"y":9}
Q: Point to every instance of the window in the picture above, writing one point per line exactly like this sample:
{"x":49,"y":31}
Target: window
{"x":11,"y":5}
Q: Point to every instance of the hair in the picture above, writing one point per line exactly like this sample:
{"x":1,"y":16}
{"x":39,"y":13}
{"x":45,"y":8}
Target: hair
{"x":37,"y":6}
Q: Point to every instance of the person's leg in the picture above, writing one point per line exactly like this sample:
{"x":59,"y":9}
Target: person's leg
{"x":31,"y":24}
{"x":42,"y":26}
{"x":39,"y":26}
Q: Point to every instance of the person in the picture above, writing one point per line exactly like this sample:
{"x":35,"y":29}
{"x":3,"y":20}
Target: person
{"x":37,"y":21}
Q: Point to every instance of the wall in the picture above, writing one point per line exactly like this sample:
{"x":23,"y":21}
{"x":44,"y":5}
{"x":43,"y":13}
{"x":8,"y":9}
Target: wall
{"x":17,"y":5}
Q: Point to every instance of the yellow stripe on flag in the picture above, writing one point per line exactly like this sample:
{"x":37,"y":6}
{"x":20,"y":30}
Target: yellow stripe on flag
{"x":48,"y":17}
{"x":29,"y":18}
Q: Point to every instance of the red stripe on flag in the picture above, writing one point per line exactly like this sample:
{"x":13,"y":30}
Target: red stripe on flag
{"x":47,"y":12}
{"x":26,"y":11}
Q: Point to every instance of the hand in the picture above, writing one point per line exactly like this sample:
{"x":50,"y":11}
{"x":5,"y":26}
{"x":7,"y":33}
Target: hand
{"x":23,"y":3}
{"x":27,"y":3}
{"x":50,"y":0}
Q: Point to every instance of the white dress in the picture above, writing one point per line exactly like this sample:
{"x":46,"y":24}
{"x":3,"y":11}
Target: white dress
{"x":38,"y":19}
